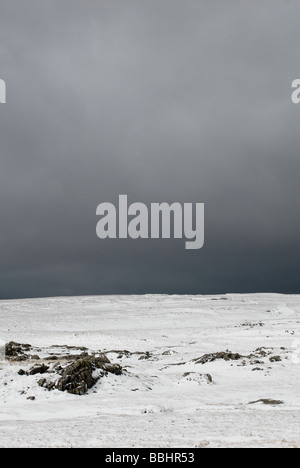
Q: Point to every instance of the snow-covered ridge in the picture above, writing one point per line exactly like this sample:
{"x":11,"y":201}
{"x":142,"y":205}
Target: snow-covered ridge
{"x":197,"y":371}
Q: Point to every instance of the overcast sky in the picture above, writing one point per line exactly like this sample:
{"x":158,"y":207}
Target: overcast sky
{"x":163,"y":100}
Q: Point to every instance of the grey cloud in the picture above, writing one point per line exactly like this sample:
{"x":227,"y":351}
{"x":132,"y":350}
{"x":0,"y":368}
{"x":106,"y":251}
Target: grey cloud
{"x":165,"y":100}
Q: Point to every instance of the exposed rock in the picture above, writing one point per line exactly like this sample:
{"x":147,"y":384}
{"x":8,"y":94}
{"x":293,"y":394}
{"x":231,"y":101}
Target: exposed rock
{"x":72,"y":373}
{"x":73,"y":348}
{"x":267,"y":402}
{"x":112,"y":369}
{"x":225,"y":356}
{"x":35,"y":357}
{"x":78,"y":377}
{"x":252,"y":325}
{"x":263,"y":352}
{"x":46,"y":384}
{"x":169,"y":352}
{"x":17,"y":351}
{"x":198,"y":378}
{"x":52,"y":358}
{"x":145,"y":356}
{"x":57,"y":368}
{"x":38,"y":369}
{"x":275,"y":359}
{"x":42,"y":382}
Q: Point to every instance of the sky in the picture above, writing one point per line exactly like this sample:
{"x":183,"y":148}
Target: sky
{"x":162,"y":100}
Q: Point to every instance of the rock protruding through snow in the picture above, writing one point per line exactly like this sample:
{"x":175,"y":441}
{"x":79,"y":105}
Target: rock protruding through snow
{"x":75,"y":374}
{"x":16,"y":351}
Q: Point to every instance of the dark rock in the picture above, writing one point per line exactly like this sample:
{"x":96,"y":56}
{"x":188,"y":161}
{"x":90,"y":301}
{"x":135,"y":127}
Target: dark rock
{"x":42,"y":382}
{"x":57,"y":368}
{"x":73,"y":348}
{"x":261,"y":351}
{"x":267,"y":402}
{"x":46,"y":384}
{"x":77,"y":378}
{"x":31,"y":398}
{"x":112,"y":369}
{"x":38,"y":369}
{"x":275,"y":359}
{"x":16,"y":351}
{"x":225,"y":356}
{"x":145,"y":356}
{"x":100,"y":360}
{"x":72,"y":373}
{"x":121,"y":354}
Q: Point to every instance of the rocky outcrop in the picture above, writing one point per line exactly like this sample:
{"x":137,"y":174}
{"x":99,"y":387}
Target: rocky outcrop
{"x":79,"y":376}
{"x":73,"y":373}
{"x":225,"y":356}
{"x":16,"y":351}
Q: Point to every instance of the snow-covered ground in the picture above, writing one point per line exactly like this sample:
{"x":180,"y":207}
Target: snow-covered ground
{"x":164,"y":397}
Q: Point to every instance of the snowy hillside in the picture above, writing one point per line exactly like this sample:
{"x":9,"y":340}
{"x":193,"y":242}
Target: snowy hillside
{"x":196,"y":371}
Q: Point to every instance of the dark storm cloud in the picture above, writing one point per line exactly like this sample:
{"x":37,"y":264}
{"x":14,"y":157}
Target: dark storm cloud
{"x":163,"y":100}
